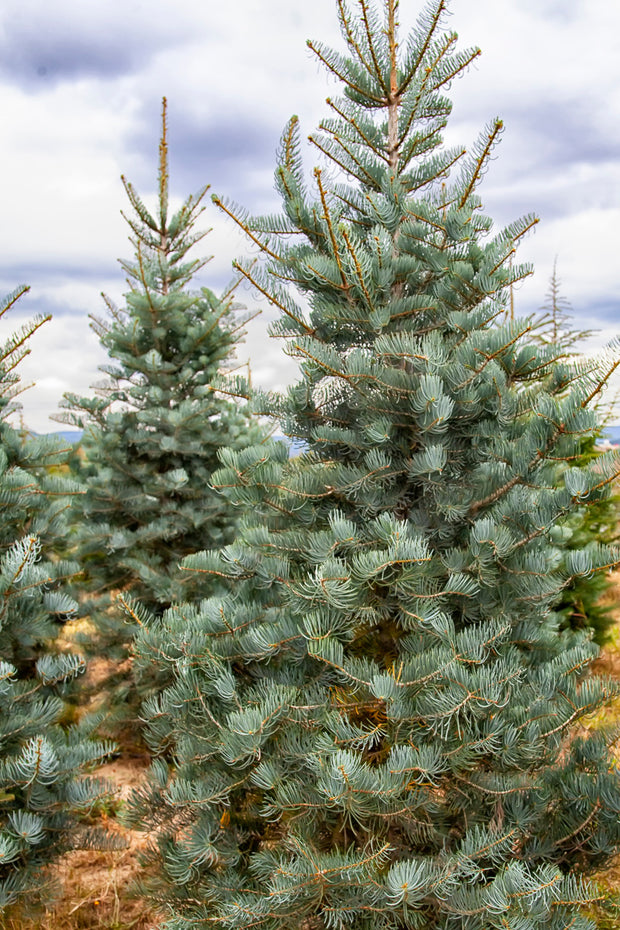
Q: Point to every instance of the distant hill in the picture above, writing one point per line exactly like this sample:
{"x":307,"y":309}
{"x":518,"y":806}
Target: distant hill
{"x":74,"y":435}
{"x":612,"y":433}
{"x":70,"y":435}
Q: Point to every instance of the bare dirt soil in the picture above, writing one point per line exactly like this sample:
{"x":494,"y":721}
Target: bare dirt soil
{"x":94,"y":887}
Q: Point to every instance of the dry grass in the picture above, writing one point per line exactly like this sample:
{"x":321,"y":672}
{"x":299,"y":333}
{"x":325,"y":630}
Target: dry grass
{"x":94,"y":888}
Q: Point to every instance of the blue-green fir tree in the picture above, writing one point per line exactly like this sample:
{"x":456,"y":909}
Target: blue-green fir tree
{"x":381,"y":725}
{"x":585,"y":602}
{"x":44,"y":793}
{"x":153,"y":430}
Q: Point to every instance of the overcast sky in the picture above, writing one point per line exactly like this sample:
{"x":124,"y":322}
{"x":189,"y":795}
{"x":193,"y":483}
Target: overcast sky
{"x":80,"y":95}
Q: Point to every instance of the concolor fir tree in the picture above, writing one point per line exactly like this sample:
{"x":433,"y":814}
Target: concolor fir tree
{"x":381,"y":726}
{"x":152,"y":433}
{"x":585,"y":602}
{"x":43,"y":790}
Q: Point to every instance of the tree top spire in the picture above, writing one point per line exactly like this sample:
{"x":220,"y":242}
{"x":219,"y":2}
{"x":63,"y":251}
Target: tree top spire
{"x":163,"y":165}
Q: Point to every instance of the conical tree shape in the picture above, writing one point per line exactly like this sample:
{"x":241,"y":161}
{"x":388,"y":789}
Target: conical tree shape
{"x":152,"y":435}
{"x":43,"y":790}
{"x":584,"y":602}
{"x":381,"y":727}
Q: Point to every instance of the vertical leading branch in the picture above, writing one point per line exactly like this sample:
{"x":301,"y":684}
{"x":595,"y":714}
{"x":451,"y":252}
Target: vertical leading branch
{"x":393,"y":98}
{"x":393,"y":110}
{"x":163,"y":194}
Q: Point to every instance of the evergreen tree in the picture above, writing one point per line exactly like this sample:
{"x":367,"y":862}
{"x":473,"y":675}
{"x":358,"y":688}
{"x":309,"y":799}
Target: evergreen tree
{"x":152,"y":434}
{"x":555,"y":319}
{"x":43,"y":790}
{"x":583,"y":603}
{"x":379,"y":725}
{"x":586,"y":601}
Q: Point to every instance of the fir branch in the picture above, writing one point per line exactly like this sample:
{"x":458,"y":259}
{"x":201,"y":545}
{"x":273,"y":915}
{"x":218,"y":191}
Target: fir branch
{"x":354,"y":124}
{"x":516,"y":479}
{"x":262,"y":245}
{"x":364,"y":175}
{"x":338,"y":72}
{"x":271,"y":297}
{"x":482,"y":159}
{"x":11,"y":299}
{"x":358,"y":269}
{"x":601,"y":384}
{"x":490,"y":356}
{"x":163,"y":175}
{"x":328,"y":221}
{"x":376,"y":70}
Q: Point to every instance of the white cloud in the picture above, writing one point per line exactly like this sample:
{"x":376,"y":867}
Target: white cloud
{"x":233,"y":74}
{"x":60,"y":164}
{"x":64,"y":356}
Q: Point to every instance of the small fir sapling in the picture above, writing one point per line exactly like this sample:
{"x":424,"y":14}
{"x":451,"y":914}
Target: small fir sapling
{"x":585,"y":602}
{"x":153,"y":431}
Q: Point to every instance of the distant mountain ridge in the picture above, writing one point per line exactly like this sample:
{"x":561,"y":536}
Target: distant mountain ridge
{"x":612,"y":433}
{"x":70,"y":435}
{"x":74,"y":435}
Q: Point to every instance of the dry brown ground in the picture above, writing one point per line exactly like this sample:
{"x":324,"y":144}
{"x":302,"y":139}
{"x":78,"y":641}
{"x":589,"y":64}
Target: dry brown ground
{"x":94,"y":888}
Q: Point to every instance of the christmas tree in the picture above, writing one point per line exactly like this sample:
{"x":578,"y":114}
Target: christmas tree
{"x":152,"y":433}
{"x":381,"y":725}
{"x":583,"y":602}
{"x":43,"y":791}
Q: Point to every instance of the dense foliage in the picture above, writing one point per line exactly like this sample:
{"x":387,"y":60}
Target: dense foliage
{"x":43,"y":790}
{"x":585,"y":601}
{"x":153,"y":431}
{"x":379,"y":726}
